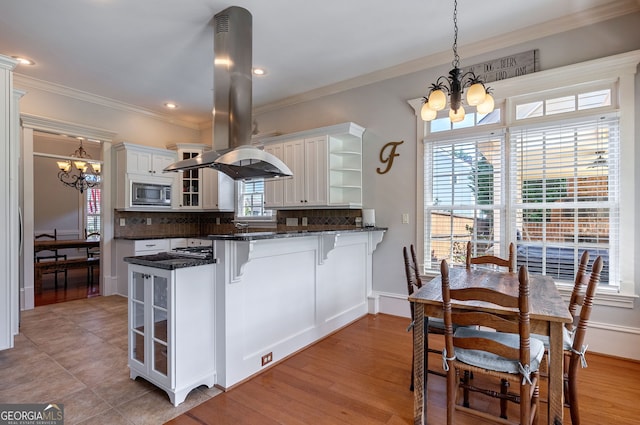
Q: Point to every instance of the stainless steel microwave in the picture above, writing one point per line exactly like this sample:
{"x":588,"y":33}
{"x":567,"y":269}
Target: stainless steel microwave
{"x":149,"y":194}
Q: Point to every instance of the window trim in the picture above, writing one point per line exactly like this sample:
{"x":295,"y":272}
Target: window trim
{"x":617,"y":69}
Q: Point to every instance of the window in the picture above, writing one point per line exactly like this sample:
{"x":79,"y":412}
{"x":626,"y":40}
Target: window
{"x":251,"y":199}
{"x":550,"y":185}
{"x":464,"y":200}
{"x":92,"y":211}
{"x":564,"y":195}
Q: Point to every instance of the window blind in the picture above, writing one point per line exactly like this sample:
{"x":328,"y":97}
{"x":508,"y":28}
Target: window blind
{"x":463,"y":197}
{"x":564,"y":185}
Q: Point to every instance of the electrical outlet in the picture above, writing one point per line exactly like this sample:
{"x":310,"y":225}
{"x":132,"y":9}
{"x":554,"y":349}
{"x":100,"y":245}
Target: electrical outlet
{"x":123,"y":222}
{"x":217,"y":220}
{"x":148,"y":221}
{"x":267,"y":358}
{"x":304,"y":221}
{"x":292,"y":221}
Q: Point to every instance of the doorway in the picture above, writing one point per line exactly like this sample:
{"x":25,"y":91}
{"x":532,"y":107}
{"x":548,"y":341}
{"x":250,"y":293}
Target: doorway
{"x":48,"y":205}
{"x":64,"y":212}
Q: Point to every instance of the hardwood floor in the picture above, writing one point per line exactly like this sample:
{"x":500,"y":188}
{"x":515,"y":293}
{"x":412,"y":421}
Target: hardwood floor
{"x":77,"y":287}
{"x":360,"y":375}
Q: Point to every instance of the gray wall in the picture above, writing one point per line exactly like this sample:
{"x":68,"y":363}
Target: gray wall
{"x":382,"y":109}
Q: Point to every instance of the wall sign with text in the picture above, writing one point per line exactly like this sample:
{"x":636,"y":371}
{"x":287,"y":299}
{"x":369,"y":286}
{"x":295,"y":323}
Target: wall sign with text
{"x":505,"y":67}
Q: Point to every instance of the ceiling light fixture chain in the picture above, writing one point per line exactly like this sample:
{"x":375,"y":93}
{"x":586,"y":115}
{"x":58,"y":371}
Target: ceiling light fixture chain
{"x":454,"y":85}
{"x":88,"y":172}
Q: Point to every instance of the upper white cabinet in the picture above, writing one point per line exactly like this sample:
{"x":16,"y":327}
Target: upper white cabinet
{"x":326,"y":165}
{"x":140,"y":164}
{"x":146,"y":161}
{"x":204,"y":188}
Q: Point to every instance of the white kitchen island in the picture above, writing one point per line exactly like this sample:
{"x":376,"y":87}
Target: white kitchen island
{"x":276,"y":293}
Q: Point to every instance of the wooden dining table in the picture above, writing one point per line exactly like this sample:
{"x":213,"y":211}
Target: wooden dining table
{"x":52,"y":245}
{"x":548,"y":314}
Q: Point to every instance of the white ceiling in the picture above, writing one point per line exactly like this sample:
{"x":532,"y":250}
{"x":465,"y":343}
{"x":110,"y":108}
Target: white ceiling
{"x":147,"y":52}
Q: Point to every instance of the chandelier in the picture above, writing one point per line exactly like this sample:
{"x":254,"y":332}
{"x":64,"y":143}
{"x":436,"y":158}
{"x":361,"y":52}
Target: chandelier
{"x":454,"y":85}
{"x":79,"y":172}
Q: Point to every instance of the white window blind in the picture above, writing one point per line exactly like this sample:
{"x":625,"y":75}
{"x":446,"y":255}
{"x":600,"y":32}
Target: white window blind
{"x":251,"y":199}
{"x":463,"y":197}
{"x":564,"y":193}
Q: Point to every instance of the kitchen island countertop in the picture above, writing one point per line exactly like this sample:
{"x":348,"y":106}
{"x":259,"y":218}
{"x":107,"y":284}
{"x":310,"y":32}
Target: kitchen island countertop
{"x":168,"y":261}
{"x":251,"y":236}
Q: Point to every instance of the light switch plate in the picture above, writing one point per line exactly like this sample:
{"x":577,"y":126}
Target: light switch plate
{"x":148,"y":221}
{"x":304,"y":221}
{"x":405,"y":218}
{"x":292,"y":221}
{"x":123,"y":222}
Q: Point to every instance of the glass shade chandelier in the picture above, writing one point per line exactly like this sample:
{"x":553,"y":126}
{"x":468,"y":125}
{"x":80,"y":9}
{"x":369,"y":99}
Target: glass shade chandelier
{"x":80,"y":172}
{"x":454,"y":85}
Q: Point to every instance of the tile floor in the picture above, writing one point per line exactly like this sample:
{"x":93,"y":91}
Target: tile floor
{"x":75,"y":353}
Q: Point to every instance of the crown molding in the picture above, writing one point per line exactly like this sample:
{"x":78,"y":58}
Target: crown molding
{"x":26,"y":82}
{"x":588,"y":17}
{"x":51,"y":125}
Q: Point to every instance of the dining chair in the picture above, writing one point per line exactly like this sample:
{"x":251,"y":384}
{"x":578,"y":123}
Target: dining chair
{"x":509,"y":263}
{"x":506,"y":352}
{"x":92,"y":252}
{"x":414,"y":282}
{"x":574,"y":334}
{"x":52,"y":254}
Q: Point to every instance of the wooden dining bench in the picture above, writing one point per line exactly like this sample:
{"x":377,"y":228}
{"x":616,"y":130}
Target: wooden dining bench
{"x":62,"y":265}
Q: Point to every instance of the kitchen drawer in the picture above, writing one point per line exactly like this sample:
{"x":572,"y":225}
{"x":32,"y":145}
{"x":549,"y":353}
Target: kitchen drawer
{"x":157,"y":245}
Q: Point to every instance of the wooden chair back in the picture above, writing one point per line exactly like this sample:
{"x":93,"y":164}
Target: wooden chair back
{"x":415,"y":267}
{"x":48,"y":254}
{"x":509,"y":263}
{"x":411,"y":276}
{"x":518,"y":322}
{"x":515,"y":321}
{"x":579,"y":284}
{"x":577,"y":359}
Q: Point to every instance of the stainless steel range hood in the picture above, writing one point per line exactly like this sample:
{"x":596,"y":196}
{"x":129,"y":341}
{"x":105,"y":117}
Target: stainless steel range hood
{"x":232,"y":101}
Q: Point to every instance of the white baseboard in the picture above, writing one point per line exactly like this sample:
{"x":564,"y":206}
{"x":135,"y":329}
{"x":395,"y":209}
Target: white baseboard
{"x":603,"y":338}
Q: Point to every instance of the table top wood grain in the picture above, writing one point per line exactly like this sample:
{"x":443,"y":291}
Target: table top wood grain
{"x":50,"y":245}
{"x":545,"y":301}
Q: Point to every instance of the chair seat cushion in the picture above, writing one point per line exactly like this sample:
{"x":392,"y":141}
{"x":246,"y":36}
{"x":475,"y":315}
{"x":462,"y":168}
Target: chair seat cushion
{"x":492,"y":361}
{"x":567,"y":339}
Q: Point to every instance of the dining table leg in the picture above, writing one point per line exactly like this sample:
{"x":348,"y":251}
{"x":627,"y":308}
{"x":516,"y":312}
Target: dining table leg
{"x":556,"y":371}
{"x":419,"y":367}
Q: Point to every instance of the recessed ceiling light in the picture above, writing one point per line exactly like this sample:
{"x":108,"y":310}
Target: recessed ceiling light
{"x":259,"y":71}
{"x":170,"y":105}
{"x":23,"y":61}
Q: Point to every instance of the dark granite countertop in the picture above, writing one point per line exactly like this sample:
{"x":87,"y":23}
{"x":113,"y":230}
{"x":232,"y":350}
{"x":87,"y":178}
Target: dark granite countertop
{"x":145,"y":237}
{"x":252,"y":236}
{"x":168,"y":261}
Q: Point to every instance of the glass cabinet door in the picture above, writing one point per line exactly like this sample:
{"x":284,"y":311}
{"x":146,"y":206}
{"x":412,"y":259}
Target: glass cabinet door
{"x":160,"y":297}
{"x":137,"y":318}
{"x":190,"y":184}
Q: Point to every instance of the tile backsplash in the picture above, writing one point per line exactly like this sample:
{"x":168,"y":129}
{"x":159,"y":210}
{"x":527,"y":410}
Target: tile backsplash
{"x":189,"y":224}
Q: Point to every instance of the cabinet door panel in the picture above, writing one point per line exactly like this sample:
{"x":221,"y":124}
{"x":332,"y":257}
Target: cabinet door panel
{"x":316,"y":171}
{"x":274,"y":188}
{"x":294,"y":187}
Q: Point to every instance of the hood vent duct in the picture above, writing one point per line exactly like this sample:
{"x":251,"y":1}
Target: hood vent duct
{"x":232,"y":103}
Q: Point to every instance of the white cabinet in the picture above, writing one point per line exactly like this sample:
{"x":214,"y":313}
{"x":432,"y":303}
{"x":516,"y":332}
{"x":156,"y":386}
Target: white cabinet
{"x":326,"y":165}
{"x":140,"y":164}
{"x":307,"y":159}
{"x":274,"y":188}
{"x":203,"y":188}
{"x":171,"y":328}
{"x":145,"y":161}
